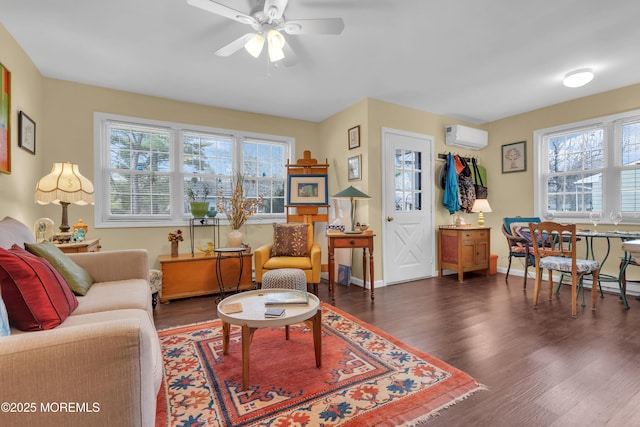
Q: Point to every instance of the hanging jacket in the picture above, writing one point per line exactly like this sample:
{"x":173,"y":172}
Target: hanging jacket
{"x":465,"y":187}
{"x":450,"y":198}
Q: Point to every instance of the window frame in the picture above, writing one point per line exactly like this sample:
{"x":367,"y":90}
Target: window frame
{"x":611,"y":168}
{"x":102,"y":218}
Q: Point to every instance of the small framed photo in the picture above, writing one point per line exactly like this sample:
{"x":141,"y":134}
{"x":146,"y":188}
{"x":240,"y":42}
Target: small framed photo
{"x":26,"y":133}
{"x":308,"y":190}
{"x":353,"y":165}
{"x":514,"y":157}
{"x":354,"y":137}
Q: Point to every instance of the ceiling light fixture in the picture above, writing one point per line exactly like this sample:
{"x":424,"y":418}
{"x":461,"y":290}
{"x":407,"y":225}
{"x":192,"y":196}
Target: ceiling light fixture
{"x":276,"y":43}
{"x":254,"y":45}
{"x":578,"y":78}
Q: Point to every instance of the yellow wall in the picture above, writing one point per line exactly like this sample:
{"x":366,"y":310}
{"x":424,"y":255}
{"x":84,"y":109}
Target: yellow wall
{"x":69,"y":121}
{"x":17,"y":188}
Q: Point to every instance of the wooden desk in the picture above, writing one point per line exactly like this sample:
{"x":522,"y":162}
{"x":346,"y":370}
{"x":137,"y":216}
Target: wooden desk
{"x":89,"y":245}
{"x":343,"y":240}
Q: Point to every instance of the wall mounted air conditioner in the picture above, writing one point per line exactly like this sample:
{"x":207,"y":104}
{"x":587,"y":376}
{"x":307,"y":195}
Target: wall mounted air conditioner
{"x":466,"y":137}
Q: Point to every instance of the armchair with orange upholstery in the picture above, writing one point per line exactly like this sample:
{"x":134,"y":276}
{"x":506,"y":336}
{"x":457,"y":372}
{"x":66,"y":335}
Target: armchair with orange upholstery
{"x":293,"y":247}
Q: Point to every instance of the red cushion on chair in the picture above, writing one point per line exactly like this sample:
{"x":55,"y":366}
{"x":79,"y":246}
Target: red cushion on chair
{"x":36,"y":296}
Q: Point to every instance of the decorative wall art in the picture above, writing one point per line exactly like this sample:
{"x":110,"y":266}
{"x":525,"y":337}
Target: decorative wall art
{"x":354,"y":137}
{"x":514,"y":157}
{"x":5,"y":120}
{"x":26,"y":133}
{"x":308,"y":190}
{"x":353,"y":165}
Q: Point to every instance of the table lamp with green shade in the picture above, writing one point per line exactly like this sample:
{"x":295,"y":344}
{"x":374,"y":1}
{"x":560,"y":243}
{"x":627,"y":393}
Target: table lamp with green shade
{"x":352,"y":194}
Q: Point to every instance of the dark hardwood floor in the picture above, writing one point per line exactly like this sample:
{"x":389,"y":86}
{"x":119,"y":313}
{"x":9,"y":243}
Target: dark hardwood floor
{"x":542,"y":367}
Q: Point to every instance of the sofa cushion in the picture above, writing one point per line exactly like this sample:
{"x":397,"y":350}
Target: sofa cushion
{"x":5,"y":330}
{"x":116,"y":295}
{"x":36,"y":295}
{"x":13,"y":231}
{"x":77,"y":277}
{"x":290,"y":240}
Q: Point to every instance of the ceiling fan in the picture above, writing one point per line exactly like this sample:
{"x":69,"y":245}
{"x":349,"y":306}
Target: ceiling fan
{"x":268,"y":23}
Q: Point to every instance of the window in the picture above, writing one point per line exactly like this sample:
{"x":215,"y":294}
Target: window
{"x":145,"y":170}
{"x":590,"y":166}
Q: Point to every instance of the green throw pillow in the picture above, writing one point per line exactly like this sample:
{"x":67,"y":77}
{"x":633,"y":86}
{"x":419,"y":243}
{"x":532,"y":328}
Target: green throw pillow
{"x":78,"y":278}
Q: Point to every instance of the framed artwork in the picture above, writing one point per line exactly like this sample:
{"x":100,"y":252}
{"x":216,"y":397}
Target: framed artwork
{"x":26,"y":133}
{"x":5,"y":120}
{"x":308,"y":190}
{"x":354,"y":137}
{"x":353,"y":165}
{"x":514,"y":157}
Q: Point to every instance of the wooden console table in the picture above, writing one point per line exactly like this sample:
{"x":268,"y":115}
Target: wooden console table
{"x":88,"y":245}
{"x":344,"y":240}
{"x":187,"y":276}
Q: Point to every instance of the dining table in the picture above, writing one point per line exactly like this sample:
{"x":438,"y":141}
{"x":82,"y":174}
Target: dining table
{"x":624,"y":236}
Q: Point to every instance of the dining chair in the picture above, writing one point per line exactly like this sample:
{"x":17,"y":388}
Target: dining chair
{"x":554,"y":247}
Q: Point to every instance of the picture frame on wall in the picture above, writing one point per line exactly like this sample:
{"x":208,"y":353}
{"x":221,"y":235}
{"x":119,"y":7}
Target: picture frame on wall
{"x":354,"y":137}
{"x":353,"y":167}
{"x":308,"y":190}
{"x":5,"y":120}
{"x":514,"y":157}
{"x":26,"y":133}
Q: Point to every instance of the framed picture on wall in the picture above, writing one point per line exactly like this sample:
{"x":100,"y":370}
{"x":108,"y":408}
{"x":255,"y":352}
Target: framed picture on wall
{"x":353,"y":165}
{"x":514,"y":157}
{"x":5,"y":120}
{"x":308,"y":190}
{"x":26,"y":133}
{"x":354,"y":137}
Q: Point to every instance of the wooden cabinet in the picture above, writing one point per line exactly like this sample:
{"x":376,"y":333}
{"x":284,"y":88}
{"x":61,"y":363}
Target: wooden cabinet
{"x":463,"y":249}
{"x":187,"y":276}
{"x":89,"y":245}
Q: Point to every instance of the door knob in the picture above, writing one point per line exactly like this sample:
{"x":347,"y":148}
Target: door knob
{"x":389,"y":218}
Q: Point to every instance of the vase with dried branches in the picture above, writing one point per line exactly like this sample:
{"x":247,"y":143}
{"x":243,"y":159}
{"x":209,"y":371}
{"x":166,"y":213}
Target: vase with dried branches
{"x":238,"y":208}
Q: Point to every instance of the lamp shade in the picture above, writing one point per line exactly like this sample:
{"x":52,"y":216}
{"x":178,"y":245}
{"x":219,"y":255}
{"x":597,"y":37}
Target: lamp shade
{"x":481,"y":205}
{"x":65,"y":184}
{"x":351,"y":193}
{"x":254,"y":45}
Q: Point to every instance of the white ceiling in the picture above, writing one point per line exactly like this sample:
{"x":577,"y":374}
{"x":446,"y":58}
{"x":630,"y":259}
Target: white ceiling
{"x":474,"y":60}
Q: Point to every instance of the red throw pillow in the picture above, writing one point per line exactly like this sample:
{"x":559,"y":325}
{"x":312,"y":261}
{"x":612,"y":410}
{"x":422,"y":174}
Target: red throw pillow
{"x":36,"y":296}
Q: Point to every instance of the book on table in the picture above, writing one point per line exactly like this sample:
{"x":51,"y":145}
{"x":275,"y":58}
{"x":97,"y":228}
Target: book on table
{"x":274,"y":312}
{"x":289,"y":297}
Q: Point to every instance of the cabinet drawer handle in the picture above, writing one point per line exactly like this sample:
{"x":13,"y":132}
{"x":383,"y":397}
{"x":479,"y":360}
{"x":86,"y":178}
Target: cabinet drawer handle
{"x":352,"y":242}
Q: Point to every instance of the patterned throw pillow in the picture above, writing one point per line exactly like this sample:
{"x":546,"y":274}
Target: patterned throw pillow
{"x":37,"y":296}
{"x":289,"y":240}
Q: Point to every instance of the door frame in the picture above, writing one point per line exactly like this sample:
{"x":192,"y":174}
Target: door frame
{"x":429,"y":180}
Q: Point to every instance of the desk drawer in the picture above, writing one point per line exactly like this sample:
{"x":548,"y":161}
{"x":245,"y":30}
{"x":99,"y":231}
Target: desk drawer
{"x":350,"y":242}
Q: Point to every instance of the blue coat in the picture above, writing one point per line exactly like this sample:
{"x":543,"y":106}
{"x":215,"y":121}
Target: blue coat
{"x":450,"y":199}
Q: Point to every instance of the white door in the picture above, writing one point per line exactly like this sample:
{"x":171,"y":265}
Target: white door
{"x":408,"y":235}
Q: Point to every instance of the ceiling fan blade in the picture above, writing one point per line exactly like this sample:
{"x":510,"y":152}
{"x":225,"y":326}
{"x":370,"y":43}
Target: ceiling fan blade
{"x":314,"y":26}
{"x":222,"y":10}
{"x":235,"y":45}
{"x":275,"y":8}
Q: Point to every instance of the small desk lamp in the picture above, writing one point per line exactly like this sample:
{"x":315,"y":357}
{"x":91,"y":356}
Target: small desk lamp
{"x":352,"y":194}
{"x":480,"y":206}
{"x":63,"y":186}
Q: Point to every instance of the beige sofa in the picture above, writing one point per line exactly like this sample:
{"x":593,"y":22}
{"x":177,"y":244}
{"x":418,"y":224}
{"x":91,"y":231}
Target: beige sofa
{"x":102,"y":366}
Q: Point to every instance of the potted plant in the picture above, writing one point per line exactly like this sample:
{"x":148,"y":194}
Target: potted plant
{"x":197,"y":194}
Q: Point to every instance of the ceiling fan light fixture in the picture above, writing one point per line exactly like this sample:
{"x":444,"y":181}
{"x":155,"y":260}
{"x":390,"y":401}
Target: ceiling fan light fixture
{"x":275,"y":39}
{"x":275,"y":53}
{"x":578,"y":78}
{"x":254,"y":45}
{"x":272,"y":12}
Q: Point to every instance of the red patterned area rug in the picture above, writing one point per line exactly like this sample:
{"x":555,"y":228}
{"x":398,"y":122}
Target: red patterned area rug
{"x":367,"y":378}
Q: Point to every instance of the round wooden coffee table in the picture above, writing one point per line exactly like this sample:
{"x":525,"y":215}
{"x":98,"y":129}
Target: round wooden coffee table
{"x":252,"y":318}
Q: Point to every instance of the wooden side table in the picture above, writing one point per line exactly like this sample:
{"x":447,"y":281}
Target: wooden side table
{"x":463,"y":249}
{"x":89,"y":245}
{"x":345,"y":240}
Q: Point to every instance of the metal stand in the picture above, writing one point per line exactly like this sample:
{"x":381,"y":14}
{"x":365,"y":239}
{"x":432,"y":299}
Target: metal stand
{"x":227,"y":253}
{"x":204,"y":222}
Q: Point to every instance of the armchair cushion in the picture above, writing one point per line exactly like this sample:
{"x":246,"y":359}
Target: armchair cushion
{"x":37,"y":295}
{"x":290,"y":240}
{"x":5,"y":330}
{"x":78,"y":278}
